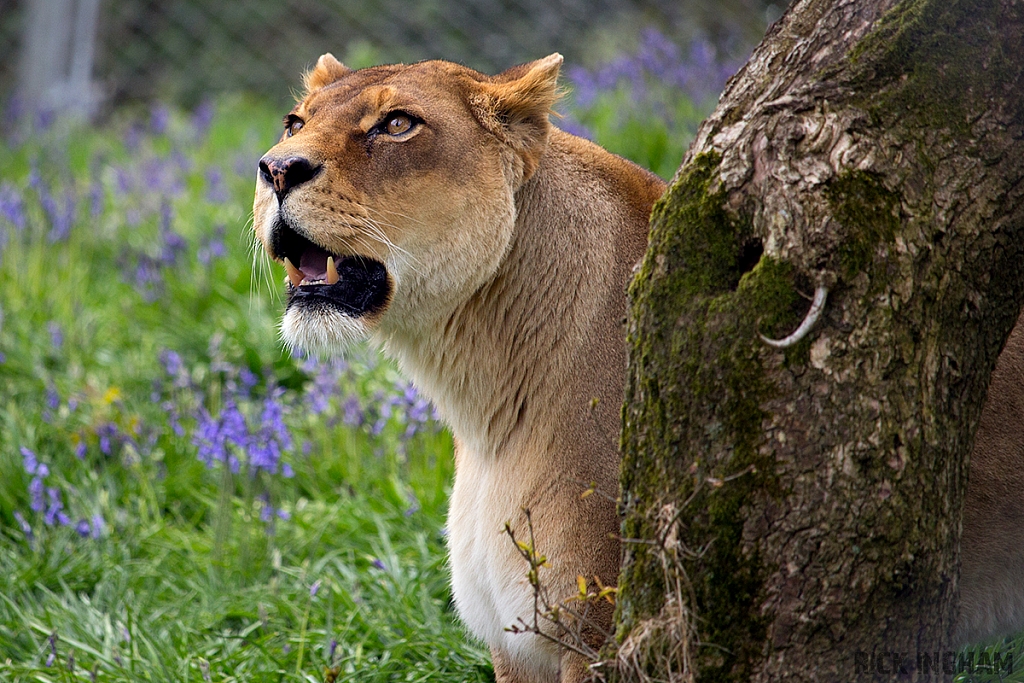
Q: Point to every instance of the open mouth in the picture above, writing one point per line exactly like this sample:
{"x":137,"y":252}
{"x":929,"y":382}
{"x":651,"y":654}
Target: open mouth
{"x":356,"y":285}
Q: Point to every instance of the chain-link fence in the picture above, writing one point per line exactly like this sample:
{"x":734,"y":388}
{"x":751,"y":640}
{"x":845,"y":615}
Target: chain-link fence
{"x":187,"y":50}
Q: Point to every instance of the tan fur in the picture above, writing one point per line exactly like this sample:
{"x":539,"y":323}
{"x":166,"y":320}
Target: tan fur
{"x":509,"y":245}
{"x":992,"y":544}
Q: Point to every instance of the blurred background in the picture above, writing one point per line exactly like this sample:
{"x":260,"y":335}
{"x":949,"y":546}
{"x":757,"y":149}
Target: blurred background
{"x":96,"y":54}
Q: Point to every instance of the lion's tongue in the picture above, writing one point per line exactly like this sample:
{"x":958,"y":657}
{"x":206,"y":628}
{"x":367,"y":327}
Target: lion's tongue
{"x":313,"y":264}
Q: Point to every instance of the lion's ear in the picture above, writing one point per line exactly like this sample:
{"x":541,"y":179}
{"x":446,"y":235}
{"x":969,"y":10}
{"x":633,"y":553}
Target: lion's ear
{"x":327,"y":70}
{"x":515,"y":105}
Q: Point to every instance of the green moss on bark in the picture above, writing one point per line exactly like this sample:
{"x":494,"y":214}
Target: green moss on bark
{"x":927,"y":61}
{"x":869,"y":214}
{"x":696,"y":419}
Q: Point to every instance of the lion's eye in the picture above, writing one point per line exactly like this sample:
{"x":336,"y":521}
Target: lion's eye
{"x":294,"y":127}
{"x":398,"y":124}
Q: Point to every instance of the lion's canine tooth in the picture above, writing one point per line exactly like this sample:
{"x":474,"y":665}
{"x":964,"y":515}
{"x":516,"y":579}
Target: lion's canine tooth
{"x":332,"y":272}
{"x":294,"y":274}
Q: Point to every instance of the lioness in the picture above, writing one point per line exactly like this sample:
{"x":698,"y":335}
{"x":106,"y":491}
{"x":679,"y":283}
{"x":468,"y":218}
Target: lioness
{"x":436,"y":211}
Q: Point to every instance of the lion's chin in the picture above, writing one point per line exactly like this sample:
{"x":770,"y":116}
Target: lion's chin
{"x":322,"y":331}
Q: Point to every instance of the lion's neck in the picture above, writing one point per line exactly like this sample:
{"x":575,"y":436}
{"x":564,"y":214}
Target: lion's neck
{"x":491,"y":364}
{"x":534,"y":348}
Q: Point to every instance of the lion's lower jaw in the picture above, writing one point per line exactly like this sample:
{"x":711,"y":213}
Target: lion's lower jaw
{"x":324,"y":332}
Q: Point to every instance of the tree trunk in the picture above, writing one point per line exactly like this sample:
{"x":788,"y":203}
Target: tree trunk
{"x":791,"y":512}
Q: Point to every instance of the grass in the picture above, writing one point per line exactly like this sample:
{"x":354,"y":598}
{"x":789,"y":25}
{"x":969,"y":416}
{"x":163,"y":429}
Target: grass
{"x":186,"y":571}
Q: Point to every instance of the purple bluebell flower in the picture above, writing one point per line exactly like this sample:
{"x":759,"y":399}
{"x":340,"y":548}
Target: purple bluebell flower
{"x":420,"y":411}
{"x":216,"y":192}
{"x":326,"y":382}
{"x":36,"y":491}
{"x":32,"y":464}
{"x":331,"y":648}
{"x":80,"y":449}
{"x":570,"y":125}
{"x":174,"y":243}
{"x":148,"y":279}
{"x":52,"y":398}
{"x":385,"y":405}
{"x":55,"y":510}
{"x":273,"y":438}
{"x":83,"y":529}
{"x":315,"y":588}
{"x":214,"y":437}
{"x":56,"y":335}
{"x":124,"y":181}
{"x":44,"y":119}
{"x":29,"y":461}
{"x":213,"y":247}
{"x":159,"y":117}
{"x":12,"y":208}
{"x":184,"y":165}
{"x":656,"y":75}
{"x":379,"y":564}
{"x":26,"y":528}
{"x":173,"y":417}
{"x":154,"y":172}
{"x":202,"y":117}
{"x":35,"y":179}
{"x":171,"y":362}
{"x":61,"y":215}
{"x":16,"y":109}
{"x":108,"y":434}
{"x":105,"y":444}
{"x":98,"y":526}
{"x":266,"y":511}
{"x":584,"y":88}
{"x":414,"y":505}
{"x":96,"y":199}
{"x":265,"y":456}
{"x":208,"y":438}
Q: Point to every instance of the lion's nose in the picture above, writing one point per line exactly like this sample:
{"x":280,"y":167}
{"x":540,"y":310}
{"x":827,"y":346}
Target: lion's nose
{"x":284,"y":174}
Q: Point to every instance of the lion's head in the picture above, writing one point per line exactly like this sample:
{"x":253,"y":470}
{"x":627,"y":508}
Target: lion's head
{"x":390,"y":196}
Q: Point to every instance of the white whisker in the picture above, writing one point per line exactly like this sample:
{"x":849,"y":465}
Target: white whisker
{"x":398,"y":253}
{"x":394,"y":213}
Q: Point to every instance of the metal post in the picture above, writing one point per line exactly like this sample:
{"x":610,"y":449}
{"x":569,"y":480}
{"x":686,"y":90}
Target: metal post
{"x":57,"y":57}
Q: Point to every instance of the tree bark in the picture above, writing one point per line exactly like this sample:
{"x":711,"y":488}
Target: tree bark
{"x":789,"y":513}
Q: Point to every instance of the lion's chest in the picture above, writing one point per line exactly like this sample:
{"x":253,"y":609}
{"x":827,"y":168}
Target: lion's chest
{"x":489,"y":576}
